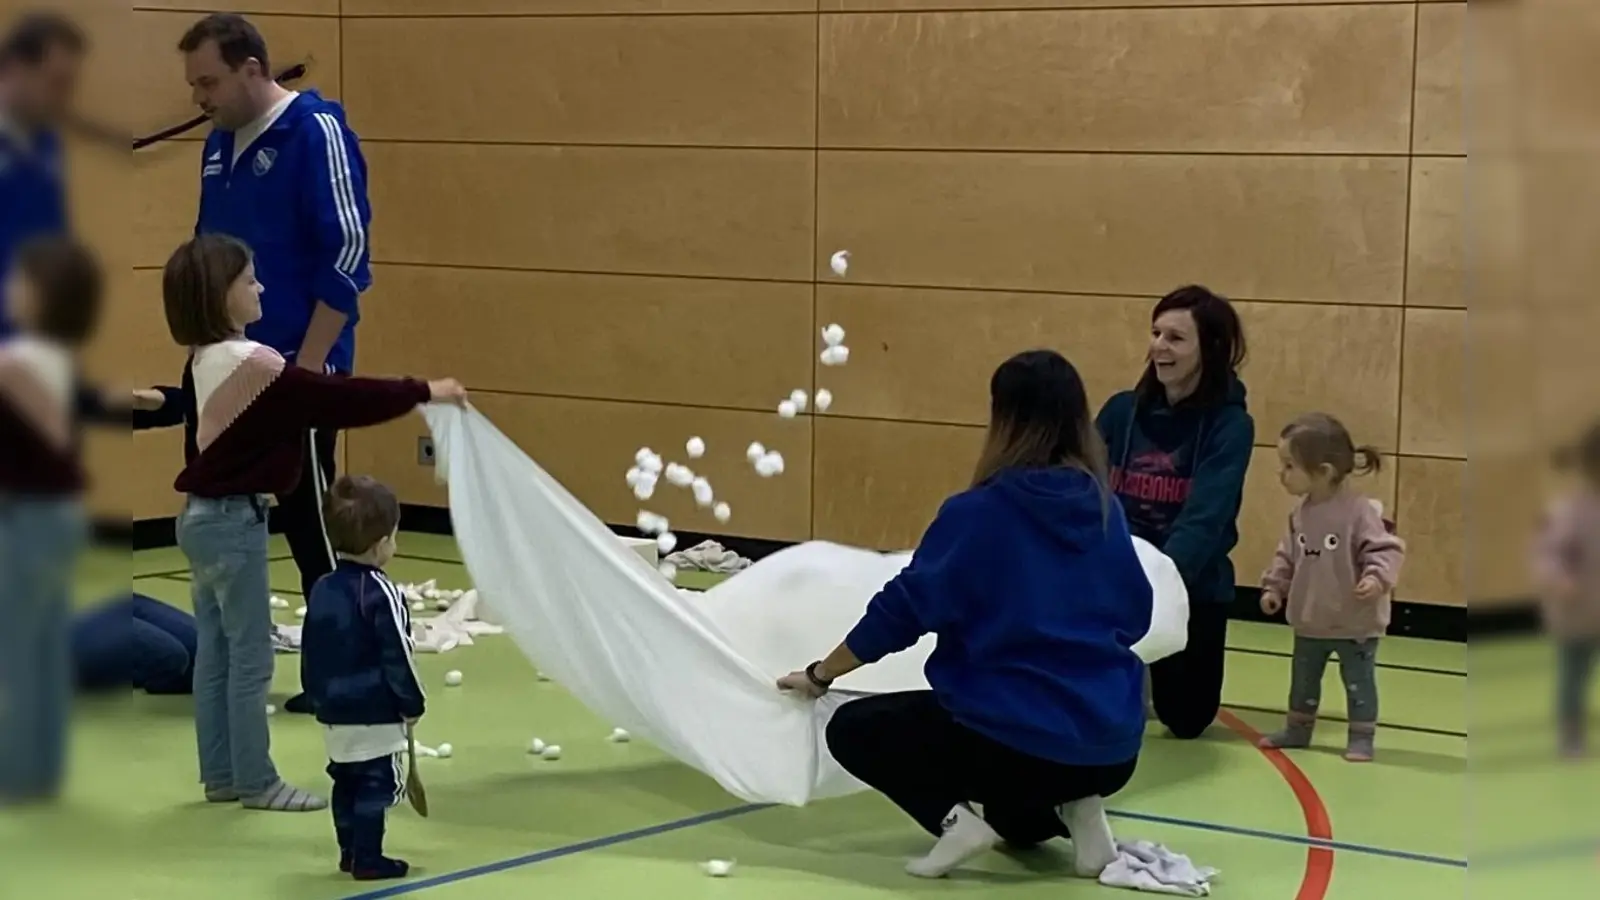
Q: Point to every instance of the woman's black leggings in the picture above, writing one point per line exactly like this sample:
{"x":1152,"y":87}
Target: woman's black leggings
{"x":907,"y":747}
{"x":1186,"y":687}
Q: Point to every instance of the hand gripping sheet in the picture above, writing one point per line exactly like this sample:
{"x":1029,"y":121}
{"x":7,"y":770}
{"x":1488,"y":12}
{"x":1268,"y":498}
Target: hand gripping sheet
{"x":692,"y":673}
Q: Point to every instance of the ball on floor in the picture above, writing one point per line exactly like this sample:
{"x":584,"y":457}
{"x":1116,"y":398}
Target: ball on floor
{"x":551,"y":753}
{"x":453,"y":678}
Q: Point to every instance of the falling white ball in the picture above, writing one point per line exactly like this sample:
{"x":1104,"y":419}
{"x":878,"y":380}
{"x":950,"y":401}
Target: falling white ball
{"x":835,"y":356}
{"x":644,"y":490}
{"x":445,"y":750}
{"x":787,"y":409}
{"x":696,"y":448}
{"x":620,"y":736}
{"x":723,"y":512}
{"x":717,"y":868}
{"x":537,"y":746}
{"x":300,"y":613}
{"x":702,"y":492}
{"x":666,"y":542}
{"x":552,"y":752}
{"x":770,"y":465}
{"x":651,"y":464}
{"x":650,"y":523}
{"x":755,"y":451}
{"x":679,"y":475}
{"x":633,"y":477}
{"x":271,"y":710}
{"x":668,"y":571}
{"x":279,"y":602}
{"x":840,"y":263}
{"x":418,"y":606}
{"x":833,"y":335}
{"x":798,"y":398}
{"x":824,"y":399}
{"x":643,"y":454}
{"x":453,"y":678}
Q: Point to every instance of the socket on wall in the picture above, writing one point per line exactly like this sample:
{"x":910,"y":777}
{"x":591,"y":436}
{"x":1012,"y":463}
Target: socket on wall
{"x":425,"y":451}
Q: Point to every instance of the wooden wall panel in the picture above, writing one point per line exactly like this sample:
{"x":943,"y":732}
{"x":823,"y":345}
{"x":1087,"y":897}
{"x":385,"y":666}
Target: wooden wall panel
{"x":1439,"y":126}
{"x":1343,"y":360}
{"x":588,"y":445}
{"x":728,"y":80}
{"x":1430,"y":511}
{"x":166,"y":200}
{"x":154,"y":89}
{"x":1436,"y":270}
{"x":739,"y":344}
{"x":252,"y":8}
{"x":1433,"y":413}
{"x":362,"y":8}
{"x":927,"y":355}
{"x":1311,"y":79}
{"x":722,"y":213}
{"x":1289,"y":228}
{"x":1265,"y":514}
{"x":1004,"y":5}
{"x":879,"y":483}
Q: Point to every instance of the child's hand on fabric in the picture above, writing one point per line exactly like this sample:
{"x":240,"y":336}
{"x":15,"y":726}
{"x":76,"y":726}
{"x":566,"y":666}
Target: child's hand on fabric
{"x":146,"y":400}
{"x":1271,"y":603}
{"x":1369,"y":589}
{"x":448,"y":390}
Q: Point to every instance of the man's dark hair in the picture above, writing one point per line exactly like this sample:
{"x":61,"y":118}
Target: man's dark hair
{"x":238,"y":41}
{"x":30,"y":39}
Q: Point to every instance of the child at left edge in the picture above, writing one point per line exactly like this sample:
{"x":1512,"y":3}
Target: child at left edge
{"x":357,"y":669}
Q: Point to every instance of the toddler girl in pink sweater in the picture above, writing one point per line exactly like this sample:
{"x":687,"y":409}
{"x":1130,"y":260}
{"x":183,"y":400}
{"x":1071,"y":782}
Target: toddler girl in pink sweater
{"x":1334,"y":571}
{"x":1567,"y":570}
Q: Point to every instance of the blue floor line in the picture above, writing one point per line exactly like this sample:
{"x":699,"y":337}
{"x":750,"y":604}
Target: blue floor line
{"x":601,"y":843}
{"x":1301,"y":840}
{"x":411,"y":887}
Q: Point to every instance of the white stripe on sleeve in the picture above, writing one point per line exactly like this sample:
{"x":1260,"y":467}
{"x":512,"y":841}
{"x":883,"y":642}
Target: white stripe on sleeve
{"x":402,"y":623}
{"x":342,"y":184}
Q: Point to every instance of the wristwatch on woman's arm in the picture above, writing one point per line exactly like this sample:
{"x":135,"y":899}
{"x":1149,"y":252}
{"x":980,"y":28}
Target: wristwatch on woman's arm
{"x":822,"y":684}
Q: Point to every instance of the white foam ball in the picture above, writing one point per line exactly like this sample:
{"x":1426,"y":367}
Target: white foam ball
{"x":633,"y":477}
{"x":718,"y":868}
{"x":620,"y":736}
{"x":770,"y":465}
{"x":271,"y":710}
{"x":418,"y":606}
{"x":441,"y":604}
{"x":835,"y":356}
{"x":840,"y":262}
{"x":666,"y":542}
{"x":644,"y":490}
{"x":702,"y":492}
{"x":536,"y":746}
{"x":798,"y":398}
{"x":457,"y":594}
{"x":552,"y":752}
{"x":833,"y":335}
{"x":651,"y":465}
{"x":453,"y":677}
{"x":279,"y":602}
{"x":541,"y":676}
{"x":695,"y":447}
{"x":668,"y":571}
{"x":300,"y":613}
{"x":787,"y":409}
{"x":643,"y":454}
{"x":723,"y":512}
{"x":755,"y":451}
{"x":679,"y":475}
{"x":824,"y":399}
{"x":445,"y":751}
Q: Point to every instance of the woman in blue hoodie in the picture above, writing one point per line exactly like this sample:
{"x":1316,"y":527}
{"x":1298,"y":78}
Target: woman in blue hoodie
{"x":1031,"y":582}
{"x":1179,"y":445}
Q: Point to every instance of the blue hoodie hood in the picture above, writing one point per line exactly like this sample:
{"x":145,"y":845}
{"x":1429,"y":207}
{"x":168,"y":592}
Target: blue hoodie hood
{"x":1036,"y":593}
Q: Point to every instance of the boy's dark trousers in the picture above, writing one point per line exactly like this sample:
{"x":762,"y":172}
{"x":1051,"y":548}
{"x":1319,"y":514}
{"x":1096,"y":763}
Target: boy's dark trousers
{"x":362,"y":794}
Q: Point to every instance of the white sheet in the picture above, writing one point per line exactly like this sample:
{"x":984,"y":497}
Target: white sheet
{"x":691,"y":673}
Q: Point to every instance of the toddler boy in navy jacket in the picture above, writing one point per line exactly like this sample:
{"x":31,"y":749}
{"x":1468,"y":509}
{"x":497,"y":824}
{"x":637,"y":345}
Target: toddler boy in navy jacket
{"x":356,"y":667}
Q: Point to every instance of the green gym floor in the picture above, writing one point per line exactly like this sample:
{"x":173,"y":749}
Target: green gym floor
{"x":624,"y":821}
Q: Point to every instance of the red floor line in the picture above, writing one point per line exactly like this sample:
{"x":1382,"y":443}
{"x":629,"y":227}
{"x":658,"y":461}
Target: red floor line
{"x":1319,"y":860}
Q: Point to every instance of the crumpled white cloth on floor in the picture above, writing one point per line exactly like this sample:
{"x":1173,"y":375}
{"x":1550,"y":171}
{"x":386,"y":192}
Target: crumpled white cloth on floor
{"x":455,"y":627}
{"x":708,"y":556}
{"x":1144,"y":866}
{"x":693,"y":675}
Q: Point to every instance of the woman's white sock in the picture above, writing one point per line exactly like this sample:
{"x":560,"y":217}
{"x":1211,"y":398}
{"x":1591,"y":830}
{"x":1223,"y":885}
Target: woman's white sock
{"x":1093,"y":846}
{"x":966,"y":835}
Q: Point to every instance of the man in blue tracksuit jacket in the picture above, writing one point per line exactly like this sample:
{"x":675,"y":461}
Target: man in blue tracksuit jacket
{"x":40,"y":56}
{"x":283,"y":172}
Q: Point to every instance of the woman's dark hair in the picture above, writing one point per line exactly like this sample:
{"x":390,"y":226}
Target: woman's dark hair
{"x":1318,"y":439}
{"x":194,"y":288}
{"x":1221,"y":337}
{"x":1039,"y":417}
{"x":68,"y":283}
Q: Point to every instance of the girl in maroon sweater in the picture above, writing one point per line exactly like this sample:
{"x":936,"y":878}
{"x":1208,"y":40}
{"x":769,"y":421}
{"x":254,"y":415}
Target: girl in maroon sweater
{"x":54,"y":289}
{"x":246,"y":416}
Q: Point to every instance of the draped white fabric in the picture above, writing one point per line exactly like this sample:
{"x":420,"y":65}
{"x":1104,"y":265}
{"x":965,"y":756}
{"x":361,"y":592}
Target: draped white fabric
{"x":692,"y":673}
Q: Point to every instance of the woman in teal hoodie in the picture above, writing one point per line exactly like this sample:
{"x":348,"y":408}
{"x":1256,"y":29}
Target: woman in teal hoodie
{"x":1031,"y":582}
{"x":1179,"y":445}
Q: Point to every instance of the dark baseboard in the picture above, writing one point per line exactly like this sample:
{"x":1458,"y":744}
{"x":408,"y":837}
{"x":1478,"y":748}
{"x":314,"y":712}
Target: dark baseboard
{"x":1418,"y":620}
